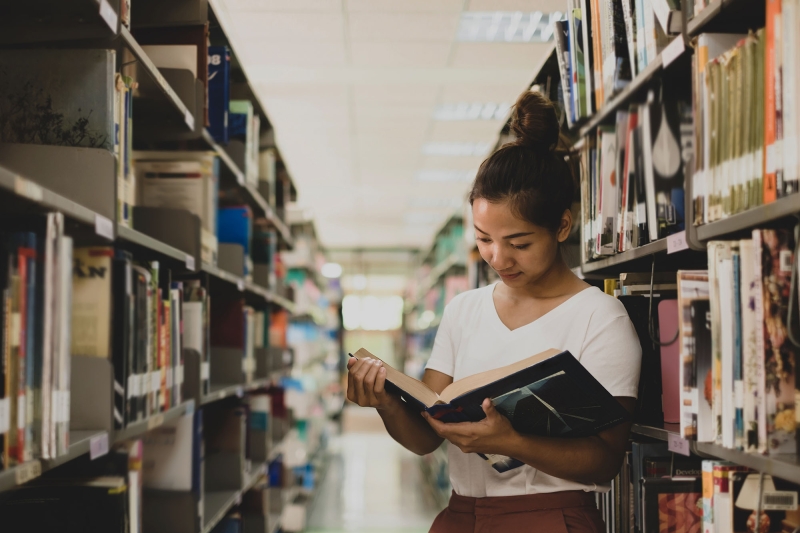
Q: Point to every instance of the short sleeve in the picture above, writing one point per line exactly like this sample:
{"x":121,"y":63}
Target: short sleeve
{"x":443,"y":353}
{"x":612,"y":354}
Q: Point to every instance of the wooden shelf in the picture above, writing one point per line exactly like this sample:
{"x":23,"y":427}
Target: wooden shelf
{"x":618,"y":260}
{"x":217,"y":504}
{"x":247,"y":286}
{"x":752,"y":218}
{"x":728,"y":16}
{"x":220,"y":392}
{"x":147,"y":242}
{"x":784,"y":466}
{"x":46,"y":199}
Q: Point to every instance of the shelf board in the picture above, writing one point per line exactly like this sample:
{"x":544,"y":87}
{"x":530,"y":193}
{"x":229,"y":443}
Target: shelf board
{"x":248,"y":286}
{"x":727,"y":16}
{"x":167,"y":90}
{"x":763,"y":214}
{"x":146,"y":241}
{"x":80,"y":444}
{"x":220,"y":392}
{"x":611,"y":106}
{"x":784,"y":466}
{"x":657,"y":247}
{"x":217,"y":504}
{"x":45,"y":198}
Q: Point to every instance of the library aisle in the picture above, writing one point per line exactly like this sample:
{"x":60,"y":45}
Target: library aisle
{"x":372,"y":485}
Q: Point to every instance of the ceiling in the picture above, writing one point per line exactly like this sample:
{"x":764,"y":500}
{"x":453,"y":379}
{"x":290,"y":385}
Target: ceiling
{"x":351,"y":87}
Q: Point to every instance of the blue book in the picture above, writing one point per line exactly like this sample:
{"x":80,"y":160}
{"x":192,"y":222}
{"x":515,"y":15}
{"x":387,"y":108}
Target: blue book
{"x":235,"y":226}
{"x":219,"y":83}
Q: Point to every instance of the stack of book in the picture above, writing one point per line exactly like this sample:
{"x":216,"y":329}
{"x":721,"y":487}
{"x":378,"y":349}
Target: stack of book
{"x":602,"y":45}
{"x":35,"y":329}
{"x":632,"y":177}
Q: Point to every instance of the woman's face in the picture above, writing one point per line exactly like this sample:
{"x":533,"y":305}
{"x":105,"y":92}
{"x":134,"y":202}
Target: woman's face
{"x":519,"y":251}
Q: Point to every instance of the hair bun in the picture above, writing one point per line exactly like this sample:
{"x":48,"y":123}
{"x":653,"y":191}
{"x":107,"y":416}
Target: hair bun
{"x":534,"y":122}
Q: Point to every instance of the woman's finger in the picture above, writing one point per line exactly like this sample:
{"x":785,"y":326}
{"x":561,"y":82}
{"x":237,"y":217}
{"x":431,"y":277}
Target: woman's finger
{"x":369,"y":383}
{"x":380,"y":382}
{"x":360,"y":373}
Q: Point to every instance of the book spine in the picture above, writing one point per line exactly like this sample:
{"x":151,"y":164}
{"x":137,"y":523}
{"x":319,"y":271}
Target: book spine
{"x":750,"y":365}
{"x":761,"y":386}
{"x":771,"y":102}
{"x":598,"y":53}
{"x":738,"y":384}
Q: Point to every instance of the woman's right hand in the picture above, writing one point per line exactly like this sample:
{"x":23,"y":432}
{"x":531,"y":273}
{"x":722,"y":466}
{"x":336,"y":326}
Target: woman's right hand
{"x":366,"y":381}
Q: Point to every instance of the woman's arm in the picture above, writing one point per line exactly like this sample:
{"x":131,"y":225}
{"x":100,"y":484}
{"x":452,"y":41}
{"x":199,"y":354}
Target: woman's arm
{"x":595,"y":459}
{"x":366,"y":381}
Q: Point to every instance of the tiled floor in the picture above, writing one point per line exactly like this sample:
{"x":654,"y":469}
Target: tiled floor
{"x":372,"y":485}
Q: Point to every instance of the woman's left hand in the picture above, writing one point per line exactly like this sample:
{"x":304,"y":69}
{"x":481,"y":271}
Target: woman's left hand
{"x":486,"y":436}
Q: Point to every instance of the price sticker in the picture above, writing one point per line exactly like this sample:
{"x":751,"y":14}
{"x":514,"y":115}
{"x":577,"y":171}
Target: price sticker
{"x":678,"y":444}
{"x":155,"y":421}
{"x":190,"y":262}
{"x":28,"y":189}
{"x":104,"y":227}
{"x":677,"y":242}
{"x":673,"y":51}
{"x":98,"y":446}
{"x":28,"y":471}
{"x":205,"y":369}
{"x":108,"y":14}
{"x":189,"y":118}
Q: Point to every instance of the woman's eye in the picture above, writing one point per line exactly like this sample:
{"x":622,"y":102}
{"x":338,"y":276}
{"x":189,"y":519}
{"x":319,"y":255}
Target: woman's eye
{"x":520,"y":246}
{"x":484,"y":240}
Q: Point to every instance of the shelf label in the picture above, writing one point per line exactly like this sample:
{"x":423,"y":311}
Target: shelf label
{"x":240,"y":178}
{"x":98,"y":446}
{"x":28,"y":189}
{"x":240,"y":284}
{"x":5,"y":415}
{"x":155,"y":421}
{"x":240,"y":391}
{"x":238,"y":498}
{"x":779,"y":500}
{"x":672,"y":51}
{"x":678,"y":444}
{"x":28,"y":471}
{"x":104,"y":227}
{"x":205,"y":370}
{"x":190,"y":262}
{"x":21,"y":420}
{"x":189,"y":118}
{"x":677,"y":242}
{"x":155,"y":378}
{"x":108,"y":14}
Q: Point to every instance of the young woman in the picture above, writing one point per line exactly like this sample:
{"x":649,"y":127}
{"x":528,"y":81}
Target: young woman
{"x":521,"y":202}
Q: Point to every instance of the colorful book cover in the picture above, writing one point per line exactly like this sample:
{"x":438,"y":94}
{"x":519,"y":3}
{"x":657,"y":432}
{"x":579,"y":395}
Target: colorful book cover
{"x":772,"y":105}
{"x":775,"y":249}
{"x":692,"y":288}
{"x":672,"y":504}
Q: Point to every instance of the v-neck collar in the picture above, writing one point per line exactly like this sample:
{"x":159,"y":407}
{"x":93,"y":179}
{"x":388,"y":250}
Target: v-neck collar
{"x":499,"y":323}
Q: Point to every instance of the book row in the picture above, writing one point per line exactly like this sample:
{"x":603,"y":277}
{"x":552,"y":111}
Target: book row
{"x":65,"y":305}
{"x":719,"y":350}
{"x":632,"y":176}
{"x":657,"y":490}
{"x":166,"y":480}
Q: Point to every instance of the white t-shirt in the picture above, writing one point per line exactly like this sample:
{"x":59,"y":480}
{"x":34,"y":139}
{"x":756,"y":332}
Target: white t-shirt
{"x":591,"y":325}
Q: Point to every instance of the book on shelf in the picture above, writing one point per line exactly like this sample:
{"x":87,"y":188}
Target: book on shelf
{"x":173,"y":455}
{"x":243,"y":128}
{"x":672,"y":503}
{"x":539,"y":395}
{"x":219,"y":83}
{"x":692,"y":316}
{"x":196,"y":313}
{"x":35,"y":322}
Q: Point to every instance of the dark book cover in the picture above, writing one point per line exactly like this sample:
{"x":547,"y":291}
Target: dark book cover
{"x":122,"y":337}
{"x":219,"y":65}
{"x":640,"y":451}
{"x":672,"y":504}
{"x":648,"y":403}
{"x":141,"y":288}
{"x":229,"y":324}
{"x":672,"y":467}
{"x":556,"y":397}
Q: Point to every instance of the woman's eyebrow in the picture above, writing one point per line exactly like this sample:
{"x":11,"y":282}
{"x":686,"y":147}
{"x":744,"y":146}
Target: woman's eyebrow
{"x":513,"y":236}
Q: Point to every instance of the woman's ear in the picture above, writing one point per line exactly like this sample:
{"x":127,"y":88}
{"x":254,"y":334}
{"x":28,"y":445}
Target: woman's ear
{"x":565,"y":226}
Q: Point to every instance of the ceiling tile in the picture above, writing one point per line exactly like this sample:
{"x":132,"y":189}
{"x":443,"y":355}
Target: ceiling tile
{"x":300,"y":6}
{"x":473,"y":92}
{"x":500,"y":55}
{"x":451,"y":162}
{"x":545,"y":6}
{"x":312,"y":54}
{"x":395,"y":93}
{"x":406,"y":6}
{"x":408,"y":27}
{"x":465,"y":130}
{"x":397,"y":54}
{"x":255,"y":28}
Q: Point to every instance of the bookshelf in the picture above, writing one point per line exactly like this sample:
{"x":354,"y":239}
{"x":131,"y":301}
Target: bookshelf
{"x":757,"y":217}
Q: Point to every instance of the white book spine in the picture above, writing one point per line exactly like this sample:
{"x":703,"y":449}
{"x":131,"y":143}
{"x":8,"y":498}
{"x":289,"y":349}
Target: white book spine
{"x":761,"y":400}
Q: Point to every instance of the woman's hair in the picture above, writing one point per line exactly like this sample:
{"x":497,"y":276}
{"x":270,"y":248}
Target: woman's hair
{"x":531,"y":173}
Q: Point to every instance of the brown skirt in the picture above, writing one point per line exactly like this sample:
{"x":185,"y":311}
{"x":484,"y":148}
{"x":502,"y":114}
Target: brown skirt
{"x":558,"y":512}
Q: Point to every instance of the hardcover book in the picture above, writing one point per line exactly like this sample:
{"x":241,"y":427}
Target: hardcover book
{"x":549,"y":394}
{"x":672,"y":504}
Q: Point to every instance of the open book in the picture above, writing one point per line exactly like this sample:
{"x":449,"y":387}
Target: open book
{"x":549,"y":394}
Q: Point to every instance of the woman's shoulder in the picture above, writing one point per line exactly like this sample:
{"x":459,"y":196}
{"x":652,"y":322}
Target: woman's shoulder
{"x":470,"y":298}
{"x":601,"y":305}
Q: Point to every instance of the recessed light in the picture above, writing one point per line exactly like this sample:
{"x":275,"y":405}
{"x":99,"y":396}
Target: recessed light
{"x":331,"y":270}
{"x":461,"y":176}
{"x":471,"y":111}
{"x":507,"y":26}
{"x":479,"y":148}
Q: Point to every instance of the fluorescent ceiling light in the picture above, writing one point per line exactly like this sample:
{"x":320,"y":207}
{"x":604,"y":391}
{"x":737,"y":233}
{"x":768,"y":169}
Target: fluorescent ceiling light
{"x":473,"y":111}
{"x":462,"y":176}
{"x":457,"y":148}
{"x":331,"y":270}
{"x":424,"y":202}
{"x":507,"y":26}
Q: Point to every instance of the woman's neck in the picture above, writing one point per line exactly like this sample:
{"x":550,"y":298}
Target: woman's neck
{"x":556,"y":281}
